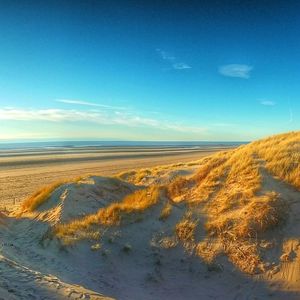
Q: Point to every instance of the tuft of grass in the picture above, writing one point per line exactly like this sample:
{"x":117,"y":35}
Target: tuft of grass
{"x":185,"y":232}
{"x":178,"y":187}
{"x":166,"y":211}
{"x":41,"y":196}
{"x":111,"y":215}
{"x":168,"y":242}
{"x":135,"y":176}
{"x":208,"y":250}
{"x":138,"y":201}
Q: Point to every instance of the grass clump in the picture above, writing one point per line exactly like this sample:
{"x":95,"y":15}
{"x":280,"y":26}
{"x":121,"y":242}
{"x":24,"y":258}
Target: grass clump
{"x":138,"y":201}
{"x":41,"y":196}
{"x":111,"y":215}
{"x":135,"y":176}
{"x":178,"y":187}
{"x":185,"y":232}
{"x":166,"y":211}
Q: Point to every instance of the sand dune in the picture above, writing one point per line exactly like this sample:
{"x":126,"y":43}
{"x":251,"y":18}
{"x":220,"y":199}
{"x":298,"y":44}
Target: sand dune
{"x":19,"y":177}
{"x":224,"y":227}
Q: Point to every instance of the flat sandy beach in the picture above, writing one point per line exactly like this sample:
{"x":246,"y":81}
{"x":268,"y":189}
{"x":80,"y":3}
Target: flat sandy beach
{"x":22,"y":172}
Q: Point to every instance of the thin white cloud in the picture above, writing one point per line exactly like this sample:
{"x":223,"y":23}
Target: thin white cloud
{"x":236,"y":70}
{"x":165,"y":55}
{"x":181,"y":66}
{"x":93,"y":116}
{"x":87,"y":103}
{"x":267,"y":102}
{"x":175,"y":64}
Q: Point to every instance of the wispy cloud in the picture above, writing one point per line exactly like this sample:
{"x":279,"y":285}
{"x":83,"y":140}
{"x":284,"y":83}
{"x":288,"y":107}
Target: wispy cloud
{"x":181,"y":66}
{"x":236,"y":70}
{"x":101,"y":117}
{"x":87,"y":103}
{"x":267,"y":102}
{"x":165,"y":55}
{"x":172,"y":60}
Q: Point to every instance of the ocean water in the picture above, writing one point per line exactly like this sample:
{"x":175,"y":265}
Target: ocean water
{"x":102,"y":144}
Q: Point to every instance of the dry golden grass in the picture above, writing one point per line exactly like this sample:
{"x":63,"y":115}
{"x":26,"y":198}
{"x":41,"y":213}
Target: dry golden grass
{"x":137,"y":176}
{"x":178,"y":187}
{"x":250,"y":220}
{"x":208,"y":250}
{"x":228,"y":195}
{"x":166,"y":211}
{"x":244,"y":255}
{"x":231,"y":203}
{"x":111,"y":215}
{"x":41,"y":196}
{"x":228,"y":189}
{"x":185,"y":232}
{"x":205,"y":180}
{"x":135,"y":202}
{"x":168,"y":242}
{"x":281,"y":154}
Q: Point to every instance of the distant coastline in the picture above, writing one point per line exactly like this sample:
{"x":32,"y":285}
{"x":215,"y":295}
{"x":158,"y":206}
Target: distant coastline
{"x":102,"y":144}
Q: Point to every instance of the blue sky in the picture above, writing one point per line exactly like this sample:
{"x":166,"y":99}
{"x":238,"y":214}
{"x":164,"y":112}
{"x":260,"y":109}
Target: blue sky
{"x":147,"y":70}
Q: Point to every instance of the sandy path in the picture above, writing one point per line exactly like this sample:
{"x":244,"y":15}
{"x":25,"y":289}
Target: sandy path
{"x":20,"y":176}
{"x":21,"y":282}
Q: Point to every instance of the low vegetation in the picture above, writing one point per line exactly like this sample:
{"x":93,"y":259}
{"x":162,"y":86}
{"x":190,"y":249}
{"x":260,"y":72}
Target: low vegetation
{"x":228,"y":199}
{"x":166,"y":211}
{"x":185,"y":232}
{"x":43,"y":194}
{"x":281,"y":155}
{"x":111,"y":215}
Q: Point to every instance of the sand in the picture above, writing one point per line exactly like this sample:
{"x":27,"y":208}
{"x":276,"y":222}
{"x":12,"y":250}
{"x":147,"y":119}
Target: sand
{"x":29,"y":271}
{"x":36,"y":267}
{"x":23,"y":172}
{"x":132,"y":261}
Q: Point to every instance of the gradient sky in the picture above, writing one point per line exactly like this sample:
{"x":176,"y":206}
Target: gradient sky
{"x":149,"y":70}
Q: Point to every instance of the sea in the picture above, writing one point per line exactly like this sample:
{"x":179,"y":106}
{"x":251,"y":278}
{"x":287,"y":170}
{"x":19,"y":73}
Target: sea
{"x":101,"y":144}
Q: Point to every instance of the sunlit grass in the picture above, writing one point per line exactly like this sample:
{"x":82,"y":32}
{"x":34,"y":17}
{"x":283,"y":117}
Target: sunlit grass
{"x":111,"y":215}
{"x":281,"y":154}
{"x":42,"y":195}
{"x":228,"y":189}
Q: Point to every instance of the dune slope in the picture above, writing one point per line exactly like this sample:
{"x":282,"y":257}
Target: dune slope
{"x":231,"y":227}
